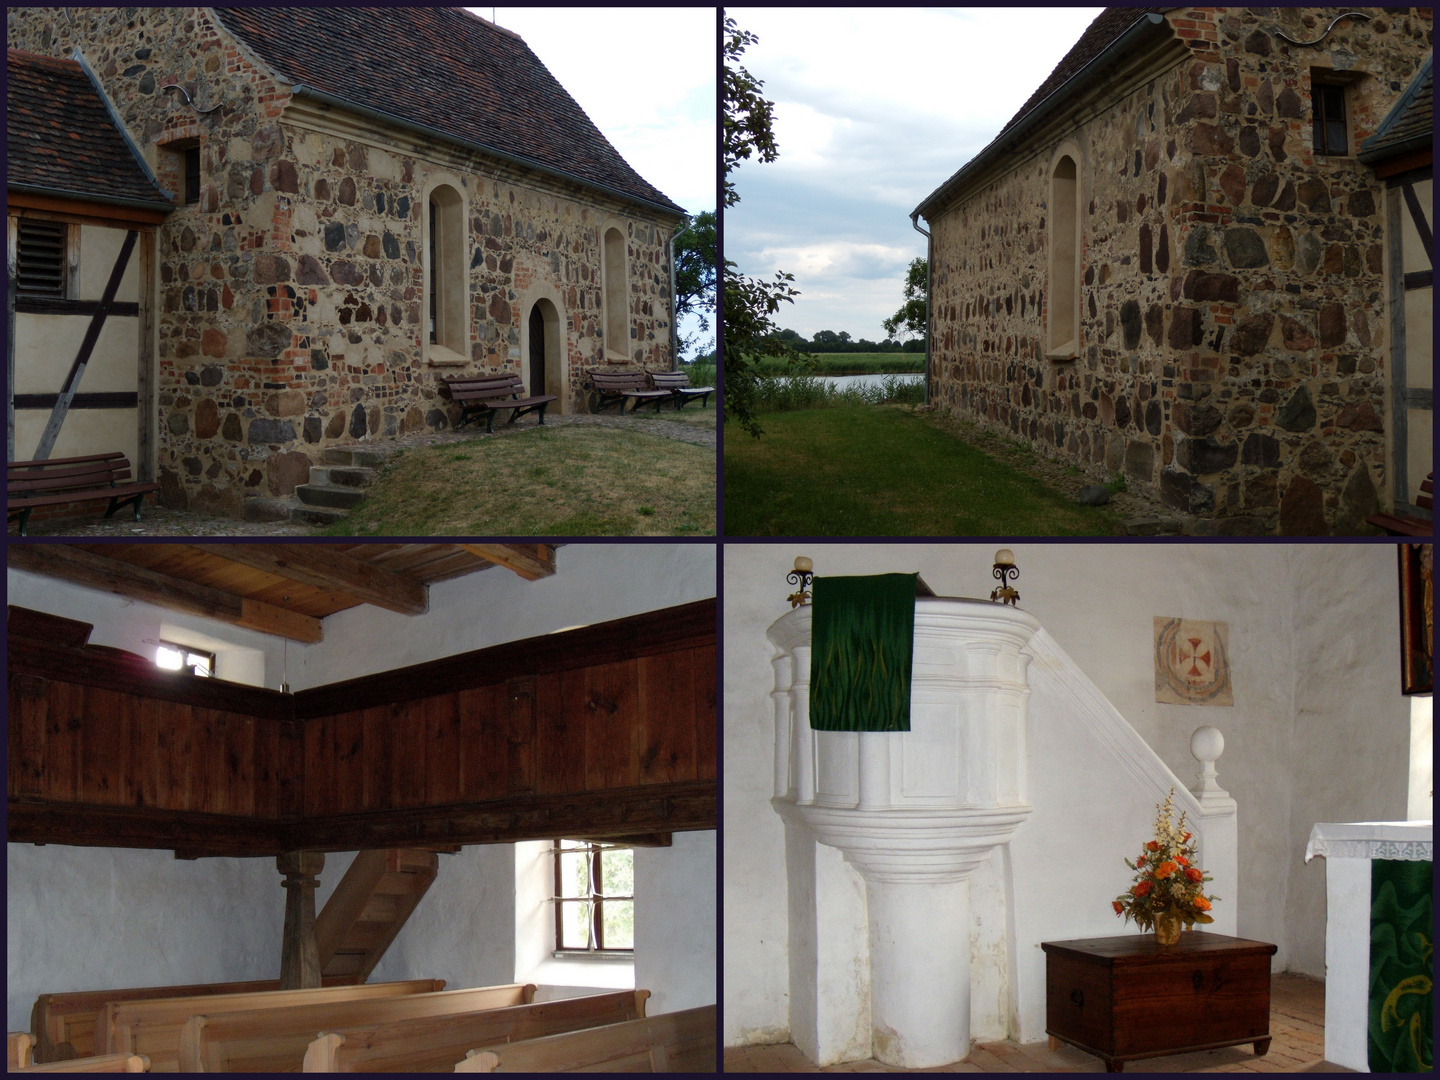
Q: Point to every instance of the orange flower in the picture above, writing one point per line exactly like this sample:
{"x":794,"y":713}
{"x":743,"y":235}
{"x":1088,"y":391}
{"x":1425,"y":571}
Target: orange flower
{"x":1202,"y":903}
{"x":1185,"y":837}
{"x":1165,"y":869}
{"x":1193,"y":874}
{"x":1152,"y":846}
{"x":1141,"y":888}
{"x":1119,"y":908}
{"x":1182,"y":860}
{"x":1140,"y":861}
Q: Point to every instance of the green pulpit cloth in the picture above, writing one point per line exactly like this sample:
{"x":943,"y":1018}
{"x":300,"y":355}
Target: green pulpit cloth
{"x":862,"y":641}
{"x":1401,"y":966}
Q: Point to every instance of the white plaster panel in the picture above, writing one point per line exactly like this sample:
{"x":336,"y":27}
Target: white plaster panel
{"x":98,"y":918}
{"x":675,"y":922}
{"x":85,"y":431}
{"x":46,"y":346}
{"x":99,"y":247}
{"x":1295,"y":724}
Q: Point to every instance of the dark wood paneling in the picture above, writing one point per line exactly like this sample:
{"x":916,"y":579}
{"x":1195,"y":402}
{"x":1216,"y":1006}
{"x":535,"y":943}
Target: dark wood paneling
{"x":670,"y":630}
{"x":706,"y":721}
{"x":143,"y":827}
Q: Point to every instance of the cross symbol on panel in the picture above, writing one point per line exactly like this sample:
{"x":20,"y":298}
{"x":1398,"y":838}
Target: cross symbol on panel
{"x":1196,"y":657}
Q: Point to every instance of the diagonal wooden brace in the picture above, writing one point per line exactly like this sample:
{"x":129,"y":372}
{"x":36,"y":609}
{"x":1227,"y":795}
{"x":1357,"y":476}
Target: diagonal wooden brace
{"x":87,"y":346}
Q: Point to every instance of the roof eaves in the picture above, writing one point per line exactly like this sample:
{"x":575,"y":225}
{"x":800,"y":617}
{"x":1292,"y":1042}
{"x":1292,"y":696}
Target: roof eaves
{"x":1370,"y":151}
{"x":167,"y":197}
{"x":304,"y":90}
{"x":1149,"y":25}
{"x":163,"y":206}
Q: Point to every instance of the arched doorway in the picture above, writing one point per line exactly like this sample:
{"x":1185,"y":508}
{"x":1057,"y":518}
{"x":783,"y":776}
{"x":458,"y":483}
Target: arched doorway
{"x":544,"y":353}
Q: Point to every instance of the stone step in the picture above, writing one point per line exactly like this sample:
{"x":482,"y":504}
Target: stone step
{"x":317,"y":515}
{"x":351,"y":455}
{"x":330,"y":495}
{"x":345,"y":475}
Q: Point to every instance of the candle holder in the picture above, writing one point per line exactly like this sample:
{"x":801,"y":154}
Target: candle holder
{"x":1006,"y":570}
{"x":800,"y":576}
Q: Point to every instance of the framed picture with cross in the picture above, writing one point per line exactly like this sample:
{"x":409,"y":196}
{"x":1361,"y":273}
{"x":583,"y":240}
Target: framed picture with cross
{"x":1192,"y":665}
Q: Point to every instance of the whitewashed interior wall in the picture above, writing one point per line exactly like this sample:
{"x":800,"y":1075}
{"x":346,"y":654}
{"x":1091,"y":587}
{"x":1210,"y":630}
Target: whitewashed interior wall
{"x":1290,"y":728}
{"x":91,"y":918}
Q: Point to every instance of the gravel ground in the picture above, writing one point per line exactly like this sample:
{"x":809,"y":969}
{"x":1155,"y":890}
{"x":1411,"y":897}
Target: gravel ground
{"x":158,"y":521}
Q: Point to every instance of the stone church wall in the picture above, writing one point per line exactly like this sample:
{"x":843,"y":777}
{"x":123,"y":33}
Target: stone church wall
{"x":291,"y":294}
{"x":1233,"y":340}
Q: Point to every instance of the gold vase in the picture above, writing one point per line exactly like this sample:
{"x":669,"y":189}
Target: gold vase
{"x":1167,"y":927}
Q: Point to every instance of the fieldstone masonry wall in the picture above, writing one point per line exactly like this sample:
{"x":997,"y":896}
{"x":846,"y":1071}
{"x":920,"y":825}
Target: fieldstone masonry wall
{"x":291,"y":294}
{"x":1233,"y":336}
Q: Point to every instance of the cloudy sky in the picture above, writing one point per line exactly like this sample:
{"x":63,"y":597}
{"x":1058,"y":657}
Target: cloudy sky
{"x":874,"y":109}
{"x":646,"y":77}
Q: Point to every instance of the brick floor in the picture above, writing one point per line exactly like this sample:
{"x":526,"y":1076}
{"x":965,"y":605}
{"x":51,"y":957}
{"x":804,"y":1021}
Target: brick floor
{"x":1297,"y":1030}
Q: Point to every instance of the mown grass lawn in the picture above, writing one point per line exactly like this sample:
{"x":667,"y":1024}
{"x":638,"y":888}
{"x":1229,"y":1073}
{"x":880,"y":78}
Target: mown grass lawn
{"x":866,"y":470}
{"x":552,"y":481}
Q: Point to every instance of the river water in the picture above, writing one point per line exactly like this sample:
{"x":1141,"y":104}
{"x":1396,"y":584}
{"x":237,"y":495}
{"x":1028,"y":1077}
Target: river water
{"x":844,"y":381}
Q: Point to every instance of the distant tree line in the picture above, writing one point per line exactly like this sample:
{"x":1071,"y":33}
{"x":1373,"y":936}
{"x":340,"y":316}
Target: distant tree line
{"x":828,"y":341}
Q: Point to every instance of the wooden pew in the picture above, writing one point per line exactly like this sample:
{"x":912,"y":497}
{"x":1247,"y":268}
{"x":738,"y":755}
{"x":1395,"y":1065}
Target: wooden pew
{"x":18,"y":1045}
{"x":672,"y":1042}
{"x":275,"y":1040}
{"x":105,"y":1063}
{"x":64,"y":1024}
{"x":436,"y":1044}
{"x":153,"y":1027}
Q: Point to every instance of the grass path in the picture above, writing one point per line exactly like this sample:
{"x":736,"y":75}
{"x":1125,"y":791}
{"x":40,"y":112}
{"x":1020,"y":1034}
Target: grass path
{"x":568,"y":480}
{"x":885,"y":471}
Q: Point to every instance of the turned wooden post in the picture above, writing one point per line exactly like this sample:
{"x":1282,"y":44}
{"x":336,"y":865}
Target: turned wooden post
{"x":299,"y":958}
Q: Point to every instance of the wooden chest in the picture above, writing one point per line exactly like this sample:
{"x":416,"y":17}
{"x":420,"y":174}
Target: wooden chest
{"x":1124,"y":998}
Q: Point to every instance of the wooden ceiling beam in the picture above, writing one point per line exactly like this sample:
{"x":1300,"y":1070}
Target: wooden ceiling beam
{"x":530,"y":561}
{"x":326,"y":568}
{"x":138,"y":583}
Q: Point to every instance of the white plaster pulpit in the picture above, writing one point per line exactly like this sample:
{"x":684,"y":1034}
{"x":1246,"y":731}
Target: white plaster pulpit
{"x":915,"y":812}
{"x":1348,"y":848}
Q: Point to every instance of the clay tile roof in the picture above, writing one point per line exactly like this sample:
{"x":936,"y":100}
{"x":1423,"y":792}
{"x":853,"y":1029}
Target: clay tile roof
{"x":446,"y":69}
{"x":61,"y":137}
{"x":1409,"y":123}
{"x":1109,"y":25}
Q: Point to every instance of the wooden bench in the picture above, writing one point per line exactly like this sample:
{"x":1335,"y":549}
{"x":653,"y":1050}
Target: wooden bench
{"x":485,"y":395}
{"x":678,"y":383}
{"x":18,"y":1047}
{"x":64,"y":1024}
{"x":153,"y":1027}
{"x":672,"y":1042}
{"x":436,"y":1044}
{"x":622,"y":386}
{"x":32,"y":484}
{"x":105,"y":1063}
{"x":276,"y":1040}
{"x":1408,"y":524}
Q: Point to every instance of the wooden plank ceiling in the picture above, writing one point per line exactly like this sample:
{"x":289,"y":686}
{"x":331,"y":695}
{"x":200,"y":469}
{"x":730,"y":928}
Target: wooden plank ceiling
{"x":282,"y":589}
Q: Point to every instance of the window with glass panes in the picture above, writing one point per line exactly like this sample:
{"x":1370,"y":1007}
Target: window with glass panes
{"x":175,"y":657}
{"x":594,"y":899}
{"x":1328,"y":104}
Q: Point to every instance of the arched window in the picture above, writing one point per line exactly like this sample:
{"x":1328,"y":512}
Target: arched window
{"x":447,"y":310}
{"x":1063,"y":306}
{"x":617,"y":292}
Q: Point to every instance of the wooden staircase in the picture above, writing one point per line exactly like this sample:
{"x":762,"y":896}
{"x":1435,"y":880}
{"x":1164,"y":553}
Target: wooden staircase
{"x":369,"y":906}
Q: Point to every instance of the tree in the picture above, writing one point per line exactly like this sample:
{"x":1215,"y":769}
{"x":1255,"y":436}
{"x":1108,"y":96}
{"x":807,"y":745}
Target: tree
{"x":695,"y":259}
{"x":910,"y":319}
{"x":747,"y":327}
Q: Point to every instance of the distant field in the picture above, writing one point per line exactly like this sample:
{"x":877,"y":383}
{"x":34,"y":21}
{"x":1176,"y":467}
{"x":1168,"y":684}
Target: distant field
{"x":859,"y":363}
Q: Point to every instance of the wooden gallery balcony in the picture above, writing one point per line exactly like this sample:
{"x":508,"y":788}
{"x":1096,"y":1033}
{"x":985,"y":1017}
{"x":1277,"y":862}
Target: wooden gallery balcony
{"x":604,"y":732}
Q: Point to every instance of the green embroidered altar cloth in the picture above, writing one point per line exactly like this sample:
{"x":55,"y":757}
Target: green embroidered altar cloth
{"x":1401,"y":966}
{"x":862,"y":643}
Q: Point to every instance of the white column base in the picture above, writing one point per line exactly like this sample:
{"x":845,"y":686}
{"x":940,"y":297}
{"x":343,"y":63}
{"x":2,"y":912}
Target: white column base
{"x":920,"y":972}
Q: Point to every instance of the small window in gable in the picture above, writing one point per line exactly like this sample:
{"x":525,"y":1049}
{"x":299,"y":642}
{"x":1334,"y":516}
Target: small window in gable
{"x":617,"y":309}
{"x":1328,"y":124}
{"x":41,"y":258}
{"x":192,"y":174}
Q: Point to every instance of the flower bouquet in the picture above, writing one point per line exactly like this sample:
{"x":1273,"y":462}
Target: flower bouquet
{"x":1168,"y":887}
